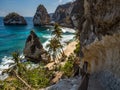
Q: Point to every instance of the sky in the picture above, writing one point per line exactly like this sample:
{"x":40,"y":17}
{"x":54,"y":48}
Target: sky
{"x":28,"y":7}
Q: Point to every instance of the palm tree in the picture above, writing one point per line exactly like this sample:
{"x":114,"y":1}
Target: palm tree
{"x":54,"y":47}
{"x":57,"y":32}
{"x":16,"y":65}
{"x":16,"y":68}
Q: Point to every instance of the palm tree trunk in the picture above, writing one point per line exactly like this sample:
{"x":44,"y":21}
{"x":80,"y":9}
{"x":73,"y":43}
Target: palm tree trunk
{"x":23,"y":81}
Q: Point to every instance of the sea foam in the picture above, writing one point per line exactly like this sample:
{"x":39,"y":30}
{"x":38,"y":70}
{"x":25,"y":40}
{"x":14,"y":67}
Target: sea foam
{"x":70,"y":30}
{"x":6,"y":61}
{"x":65,"y":38}
{"x":5,"y":64}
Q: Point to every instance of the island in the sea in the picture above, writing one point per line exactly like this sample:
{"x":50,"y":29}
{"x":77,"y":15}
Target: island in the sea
{"x":14,"y":19}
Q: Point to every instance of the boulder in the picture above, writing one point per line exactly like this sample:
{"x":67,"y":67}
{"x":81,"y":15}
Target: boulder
{"x":33,"y":50}
{"x":41,"y":16}
{"x":66,"y":84}
{"x":14,"y":19}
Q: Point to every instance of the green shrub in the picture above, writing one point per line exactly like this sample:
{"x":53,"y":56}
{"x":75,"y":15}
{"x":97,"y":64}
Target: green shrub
{"x":77,"y":50}
{"x":38,"y":78}
{"x":68,"y":67}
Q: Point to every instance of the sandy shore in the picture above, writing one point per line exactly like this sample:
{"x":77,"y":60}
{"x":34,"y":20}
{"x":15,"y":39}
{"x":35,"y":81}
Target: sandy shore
{"x":70,"y":48}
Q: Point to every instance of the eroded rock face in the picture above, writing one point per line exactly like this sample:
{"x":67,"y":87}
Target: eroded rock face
{"x":77,"y":12}
{"x":66,"y":84}
{"x":100,"y":18}
{"x":108,"y":80}
{"x":62,"y":15}
{"x":33,"y":50}
{"x":101,"y":22}
{"x":14,"y":19}
{"x":41,"y":16}
{"x":67,"y":14}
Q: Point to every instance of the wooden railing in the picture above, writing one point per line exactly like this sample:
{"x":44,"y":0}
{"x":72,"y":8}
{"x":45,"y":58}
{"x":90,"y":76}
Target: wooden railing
{"x":85,"y":78}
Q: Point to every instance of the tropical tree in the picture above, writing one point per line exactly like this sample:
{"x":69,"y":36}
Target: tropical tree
{"x":57,"y":32}
{"x":54,"y":47}
{"x":17,"y":68}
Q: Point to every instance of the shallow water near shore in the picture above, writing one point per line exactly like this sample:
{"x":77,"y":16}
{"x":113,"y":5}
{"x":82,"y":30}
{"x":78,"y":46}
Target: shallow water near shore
{"x":13,"y":38}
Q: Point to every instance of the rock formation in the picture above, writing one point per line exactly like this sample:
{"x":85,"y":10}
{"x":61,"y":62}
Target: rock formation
{"x":100,"y":18}
{"x":33,"y":50}
{"x":62,"y":15}
{"x":99,"y":29}
{"x":66,"y":84}
{"x":41,"y":16}
{"x":67,"y":14}
{"x":14,"y":19}
{"x":99,"y":42}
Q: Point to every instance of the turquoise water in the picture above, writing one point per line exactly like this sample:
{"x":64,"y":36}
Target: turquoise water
{"x":12,"y":38}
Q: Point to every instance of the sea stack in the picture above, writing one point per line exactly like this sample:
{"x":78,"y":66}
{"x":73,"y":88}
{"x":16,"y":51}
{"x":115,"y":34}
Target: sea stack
{"x":14,"y":19}
{"x":41,"y":16}
{"x":33,"y":50}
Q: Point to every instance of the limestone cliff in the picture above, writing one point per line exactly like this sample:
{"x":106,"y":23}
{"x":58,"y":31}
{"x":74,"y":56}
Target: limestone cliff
{"x":66,"y":14}
{"x":100,"y":40}
{"x":100,"y":18}
{"x":103,"y":58}
{"x":62,"y":15}
{"x":14,"y":19}
{"x":41,"y":16}
{"x":103,"y":55}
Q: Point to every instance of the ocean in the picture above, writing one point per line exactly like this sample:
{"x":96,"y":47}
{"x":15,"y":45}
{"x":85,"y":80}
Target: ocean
{"x":13,"y":38}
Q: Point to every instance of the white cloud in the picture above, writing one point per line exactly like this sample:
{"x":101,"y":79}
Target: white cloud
{"x":60,"y":1}
{"x":2,"y":13}
{"x":63,"y":1}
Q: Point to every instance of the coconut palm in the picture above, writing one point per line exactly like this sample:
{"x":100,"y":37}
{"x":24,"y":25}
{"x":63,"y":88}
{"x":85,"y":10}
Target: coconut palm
{"x":17,"y":68}
{"x":54,"y":47}
{"x":57,"y":32}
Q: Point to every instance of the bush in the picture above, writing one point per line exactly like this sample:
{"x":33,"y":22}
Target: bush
{"x":77,"y":50}
{"x":38,"y":78}
{"x":68,"y":67}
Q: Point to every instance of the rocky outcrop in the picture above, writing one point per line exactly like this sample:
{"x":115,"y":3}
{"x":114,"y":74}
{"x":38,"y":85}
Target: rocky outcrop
{"x":62,"y":15}
{"x":77,"y":12}
{"x":41,"y":16}
{"x":33,"y":50}
{"x":67,"y":14}
{"x":103,"y":55}
{"x":66,"y":84}
{"x":14,"y":19}
{"x":108,"y":80}
{"x":100,"y":45}
{"x":100,"y":18}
